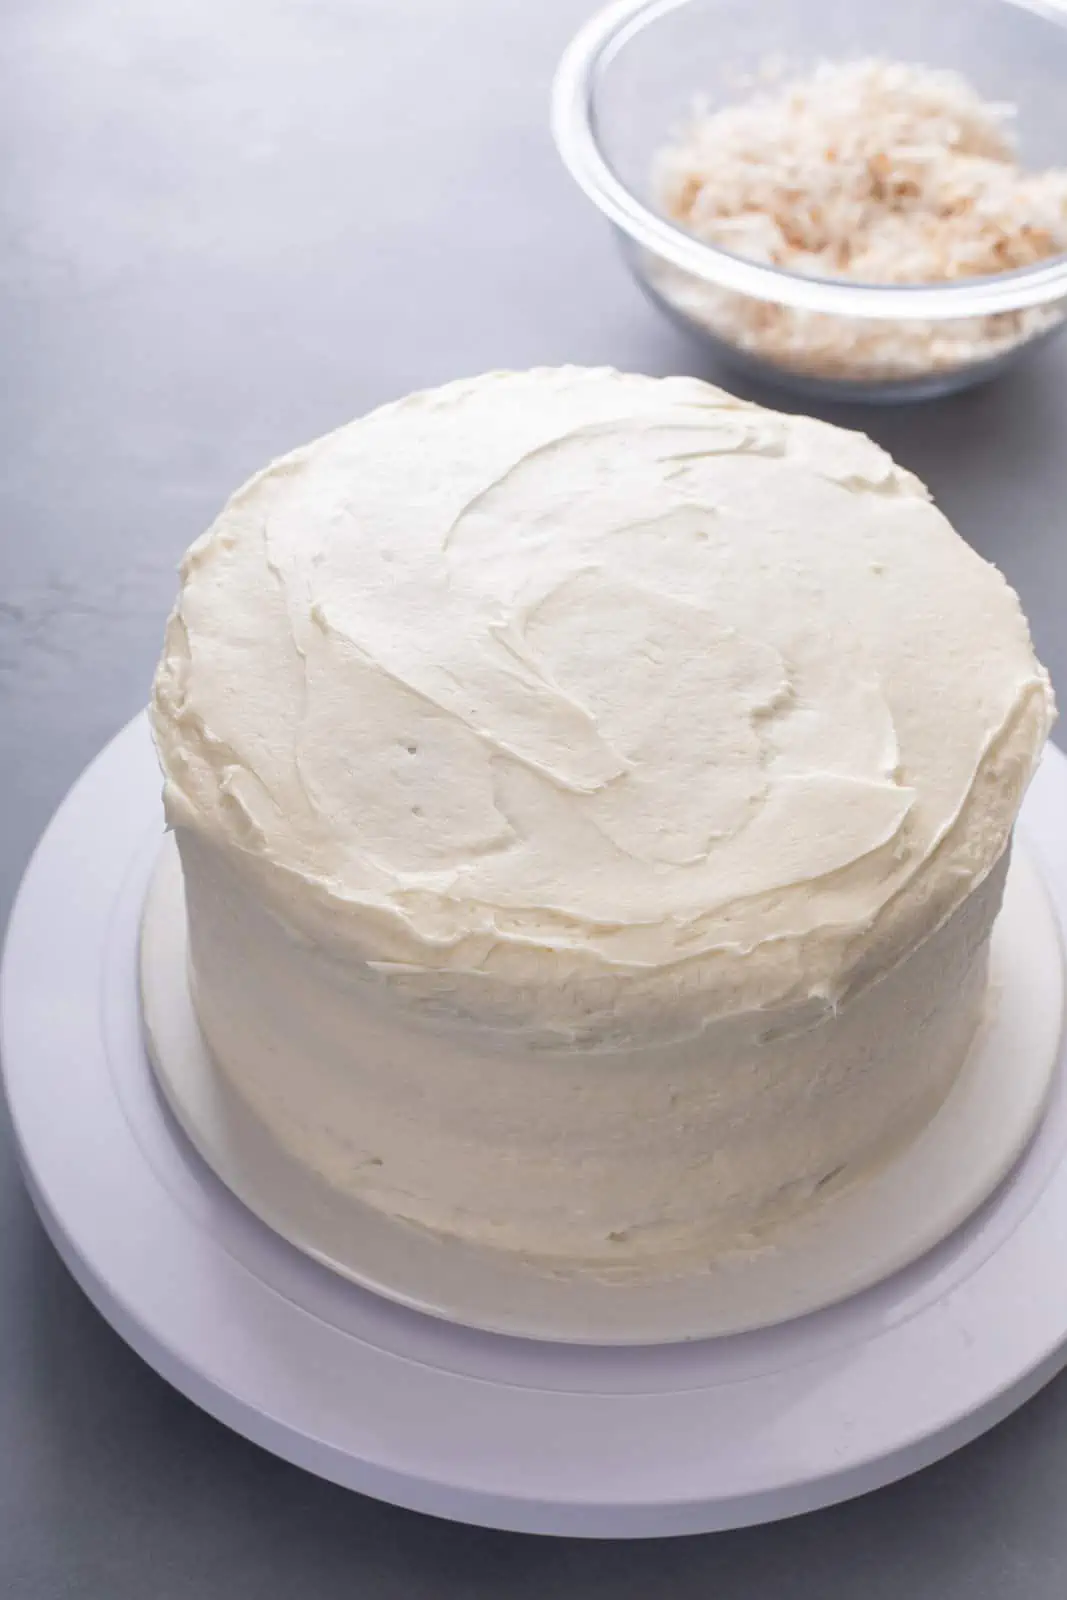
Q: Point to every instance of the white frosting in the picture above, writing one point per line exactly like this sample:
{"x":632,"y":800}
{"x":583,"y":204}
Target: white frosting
{"x":606,"y":718}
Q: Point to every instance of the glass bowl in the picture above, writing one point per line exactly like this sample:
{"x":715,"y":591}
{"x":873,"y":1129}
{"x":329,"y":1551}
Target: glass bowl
{"x":637,"y":68}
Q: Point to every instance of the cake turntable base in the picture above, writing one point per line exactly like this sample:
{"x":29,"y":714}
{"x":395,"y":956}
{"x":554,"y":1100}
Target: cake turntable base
{"x":603,"y":1440}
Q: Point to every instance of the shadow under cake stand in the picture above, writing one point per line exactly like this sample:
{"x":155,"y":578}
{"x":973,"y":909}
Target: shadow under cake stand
{"x":943,"y":1303}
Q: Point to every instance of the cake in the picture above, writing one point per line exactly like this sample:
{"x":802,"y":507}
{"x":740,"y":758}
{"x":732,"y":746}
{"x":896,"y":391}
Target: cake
{"x":594,"y":795}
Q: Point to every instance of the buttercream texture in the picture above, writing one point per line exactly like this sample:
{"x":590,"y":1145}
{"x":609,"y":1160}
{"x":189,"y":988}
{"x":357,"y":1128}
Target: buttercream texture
{"x":594,"y":795}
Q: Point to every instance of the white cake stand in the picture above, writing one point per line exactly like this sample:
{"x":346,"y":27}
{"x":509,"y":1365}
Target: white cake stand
{"x":554,"y":1438}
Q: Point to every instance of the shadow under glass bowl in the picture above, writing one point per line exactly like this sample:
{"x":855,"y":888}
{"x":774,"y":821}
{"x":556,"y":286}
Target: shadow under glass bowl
{"x":635,"y":70}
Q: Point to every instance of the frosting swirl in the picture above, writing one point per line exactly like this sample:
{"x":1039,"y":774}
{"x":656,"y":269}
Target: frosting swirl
{"x":610,"y":689}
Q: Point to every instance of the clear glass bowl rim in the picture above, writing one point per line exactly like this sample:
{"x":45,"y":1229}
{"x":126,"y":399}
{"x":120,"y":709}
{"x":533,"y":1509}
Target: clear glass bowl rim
{"x":573,"y":121}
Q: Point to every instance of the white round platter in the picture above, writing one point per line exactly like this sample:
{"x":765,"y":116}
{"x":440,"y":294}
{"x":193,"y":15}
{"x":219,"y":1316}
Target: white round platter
{"x":847,"y":1243}
{"x":513,"y":1433}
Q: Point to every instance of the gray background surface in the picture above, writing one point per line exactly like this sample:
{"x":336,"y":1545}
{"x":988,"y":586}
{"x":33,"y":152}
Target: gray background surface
{"x":227,"y":227}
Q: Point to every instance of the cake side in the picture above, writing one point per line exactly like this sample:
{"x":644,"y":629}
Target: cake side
{"x":632,"y":1163}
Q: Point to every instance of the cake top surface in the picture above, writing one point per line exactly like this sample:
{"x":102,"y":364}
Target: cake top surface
{"x":600,"y":671}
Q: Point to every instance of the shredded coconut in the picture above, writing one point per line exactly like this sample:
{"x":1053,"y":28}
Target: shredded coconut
{"x":870,"y":170}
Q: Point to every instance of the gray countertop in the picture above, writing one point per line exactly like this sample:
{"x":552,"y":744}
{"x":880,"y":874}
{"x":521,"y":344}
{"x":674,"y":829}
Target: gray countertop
{"x":228,"y":227}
